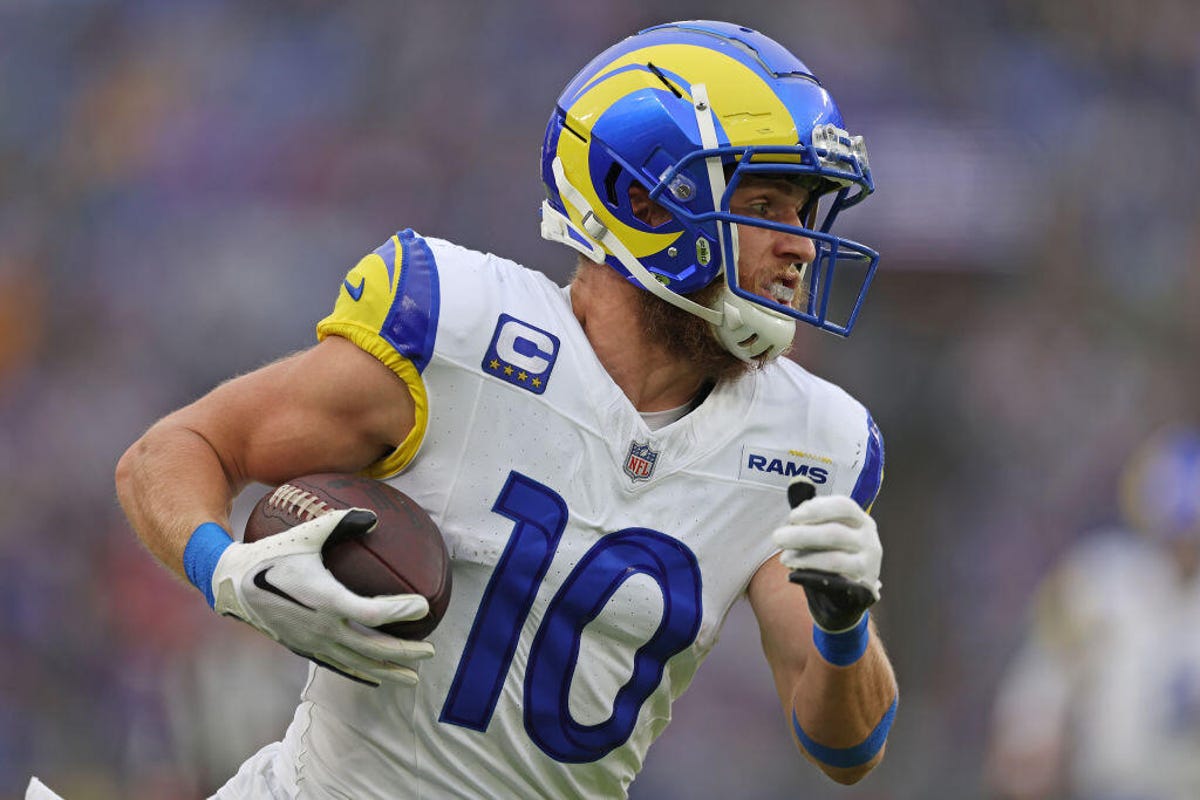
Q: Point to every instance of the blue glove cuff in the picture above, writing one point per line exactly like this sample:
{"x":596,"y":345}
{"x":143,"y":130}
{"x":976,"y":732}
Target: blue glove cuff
{"x":845,"y":648}
{"x":201,"y":555}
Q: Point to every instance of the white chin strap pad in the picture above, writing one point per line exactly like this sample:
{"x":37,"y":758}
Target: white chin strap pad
{"x":751,"y":331}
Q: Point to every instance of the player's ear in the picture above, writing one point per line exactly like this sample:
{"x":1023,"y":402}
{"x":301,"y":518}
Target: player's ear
{"x":646,"y":209}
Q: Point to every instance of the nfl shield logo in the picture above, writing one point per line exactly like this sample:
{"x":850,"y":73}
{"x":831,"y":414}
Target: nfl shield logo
{"x":639,"y":464}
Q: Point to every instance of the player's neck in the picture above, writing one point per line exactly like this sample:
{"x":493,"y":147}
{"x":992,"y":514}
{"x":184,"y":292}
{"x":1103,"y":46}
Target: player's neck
{"x":607,"y":308}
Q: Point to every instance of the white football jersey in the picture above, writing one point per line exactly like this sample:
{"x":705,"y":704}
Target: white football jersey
{"x":594,"y":559}
{"x":1109,"y":675}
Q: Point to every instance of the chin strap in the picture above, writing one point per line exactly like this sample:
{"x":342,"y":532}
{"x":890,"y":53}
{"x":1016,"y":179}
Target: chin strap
{"x":556,"y":227}
{"x":716,"y":175}
{"x":747,"y":330}
{"x":596,"y":234}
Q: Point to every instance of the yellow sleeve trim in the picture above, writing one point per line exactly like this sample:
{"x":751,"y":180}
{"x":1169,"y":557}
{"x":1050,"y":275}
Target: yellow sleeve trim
{"x":371,"y":342}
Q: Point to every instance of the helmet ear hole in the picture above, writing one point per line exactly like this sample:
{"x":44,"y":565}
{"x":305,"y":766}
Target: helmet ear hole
{"x":627,"y":197}
{"x":648,"y":212}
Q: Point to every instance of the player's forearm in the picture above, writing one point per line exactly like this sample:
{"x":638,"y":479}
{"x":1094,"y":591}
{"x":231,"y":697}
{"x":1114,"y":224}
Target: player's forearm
{"x":169,"y":482}
{"x":841,"y":714}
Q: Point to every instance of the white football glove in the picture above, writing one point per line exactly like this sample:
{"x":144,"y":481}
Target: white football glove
{"x":833,"y":548}
{"x":280,"y":586}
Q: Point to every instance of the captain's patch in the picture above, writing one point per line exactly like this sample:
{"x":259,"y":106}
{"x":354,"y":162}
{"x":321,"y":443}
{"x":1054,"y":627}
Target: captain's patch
{"x":521,"y":354}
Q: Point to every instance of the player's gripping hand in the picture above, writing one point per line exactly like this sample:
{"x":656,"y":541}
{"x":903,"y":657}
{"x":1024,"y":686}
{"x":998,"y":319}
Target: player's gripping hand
{"x":280,"y":586}
{"x":833,"y":549}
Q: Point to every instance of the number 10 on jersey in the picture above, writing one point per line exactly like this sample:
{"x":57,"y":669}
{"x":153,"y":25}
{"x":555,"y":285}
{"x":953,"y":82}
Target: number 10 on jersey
{"x":539,"y":516}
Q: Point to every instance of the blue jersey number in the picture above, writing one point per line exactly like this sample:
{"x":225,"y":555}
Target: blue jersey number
{"x":539,"y":516}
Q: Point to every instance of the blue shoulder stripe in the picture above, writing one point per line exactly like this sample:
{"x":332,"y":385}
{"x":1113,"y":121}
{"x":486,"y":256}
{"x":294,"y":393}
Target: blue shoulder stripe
{"x":869,"y":480}
{"x":387,"y":251}
{"x":412,"y":321}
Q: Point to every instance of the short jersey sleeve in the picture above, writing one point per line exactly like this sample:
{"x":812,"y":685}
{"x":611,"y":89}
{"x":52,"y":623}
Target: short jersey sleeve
{"x":388,"y":305}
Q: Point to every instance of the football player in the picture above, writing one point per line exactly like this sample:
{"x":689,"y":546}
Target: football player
{"x":609,"y":462}
{"x":1102,"y":699}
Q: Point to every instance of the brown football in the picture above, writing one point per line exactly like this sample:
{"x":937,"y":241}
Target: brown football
{"x":404,"y":554}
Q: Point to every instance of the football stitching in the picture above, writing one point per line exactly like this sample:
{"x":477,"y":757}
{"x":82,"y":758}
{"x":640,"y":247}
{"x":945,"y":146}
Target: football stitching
{"x":294,"y":500}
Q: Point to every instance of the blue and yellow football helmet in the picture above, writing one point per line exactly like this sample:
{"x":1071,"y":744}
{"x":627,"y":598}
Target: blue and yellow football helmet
{"x":1160,"y":485}
{"x":687,"y":110}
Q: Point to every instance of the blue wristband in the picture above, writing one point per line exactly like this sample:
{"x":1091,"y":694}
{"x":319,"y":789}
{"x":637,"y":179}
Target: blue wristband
{"x":845,"y":648}
{"x":201,"y":555}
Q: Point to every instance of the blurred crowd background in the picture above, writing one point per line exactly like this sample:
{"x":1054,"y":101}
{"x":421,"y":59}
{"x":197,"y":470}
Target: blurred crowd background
{"x":183,"y":185}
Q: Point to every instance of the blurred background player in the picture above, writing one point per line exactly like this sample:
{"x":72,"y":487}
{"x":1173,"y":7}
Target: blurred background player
{"x":1102,"y":702}
{"x":609,"y":462}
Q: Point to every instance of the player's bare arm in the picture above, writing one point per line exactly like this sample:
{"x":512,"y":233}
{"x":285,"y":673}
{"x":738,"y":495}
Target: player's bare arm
{"x":330,"y":408}
{"x":839,"y":707}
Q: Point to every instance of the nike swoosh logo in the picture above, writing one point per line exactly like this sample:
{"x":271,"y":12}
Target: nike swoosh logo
{"x":355,"y":292}
{"x":260,"y":580}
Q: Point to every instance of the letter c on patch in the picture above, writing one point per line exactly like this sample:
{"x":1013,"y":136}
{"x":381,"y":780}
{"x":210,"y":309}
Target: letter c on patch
{"x":524,"y":347}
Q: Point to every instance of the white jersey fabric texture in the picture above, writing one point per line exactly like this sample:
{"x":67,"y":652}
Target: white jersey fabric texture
{"x":595,"y":559}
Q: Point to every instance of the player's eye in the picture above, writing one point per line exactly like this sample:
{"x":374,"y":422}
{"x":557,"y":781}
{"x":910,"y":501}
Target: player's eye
{"x":758,"y":208}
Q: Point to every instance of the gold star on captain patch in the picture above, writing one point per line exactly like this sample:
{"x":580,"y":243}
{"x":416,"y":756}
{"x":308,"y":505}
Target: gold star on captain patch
{"x":536,"y":382}
{"x":508,"y":370}
{"x":494,"y":364}
{"x":522,"y":375}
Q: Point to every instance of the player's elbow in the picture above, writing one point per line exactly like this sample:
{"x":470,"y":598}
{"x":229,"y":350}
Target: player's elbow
{"x":133,"y":467}
{"x":848,"y":776}
{"x":125,"y":471}
{"x":130,"y":476}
